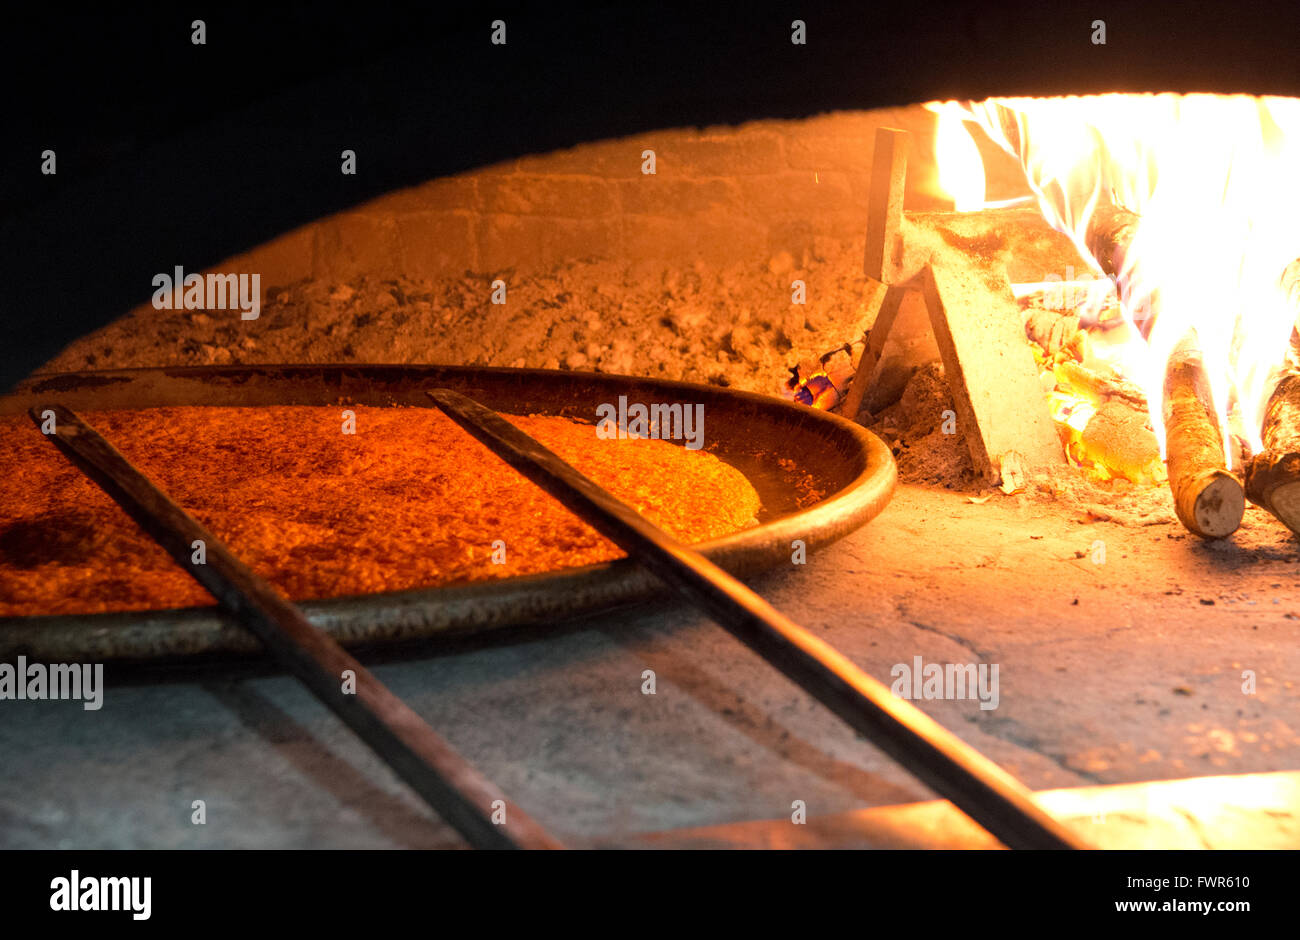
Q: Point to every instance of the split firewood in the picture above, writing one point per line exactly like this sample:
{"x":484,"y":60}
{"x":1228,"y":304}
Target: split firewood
{"x":1117,"y":438}
{"x":1208,"y":498}
{"x":1052,"y":330}
{"x":1099,"y":388}
{"x":1273,"y":476}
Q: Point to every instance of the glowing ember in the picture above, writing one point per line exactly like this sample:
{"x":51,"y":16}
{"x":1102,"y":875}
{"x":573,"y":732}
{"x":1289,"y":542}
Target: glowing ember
{"x":816,"y":391}
{"x":821,"y":382}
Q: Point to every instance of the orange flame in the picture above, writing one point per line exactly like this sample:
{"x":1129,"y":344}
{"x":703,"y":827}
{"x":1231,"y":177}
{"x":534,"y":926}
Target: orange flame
{"x":961,"y":168}
{"x":1216,"y":183}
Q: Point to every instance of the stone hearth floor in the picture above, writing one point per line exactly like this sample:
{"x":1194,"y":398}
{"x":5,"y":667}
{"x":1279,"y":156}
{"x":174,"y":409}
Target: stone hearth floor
{"x":1124,"y":671}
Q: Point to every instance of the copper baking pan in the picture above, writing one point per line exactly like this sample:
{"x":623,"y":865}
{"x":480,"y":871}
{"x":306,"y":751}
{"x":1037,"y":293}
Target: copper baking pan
{"x":776,"y":444}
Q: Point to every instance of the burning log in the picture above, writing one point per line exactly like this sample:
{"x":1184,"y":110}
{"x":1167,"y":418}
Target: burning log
{"x":1053,"y":330}
{"x":1104,"y":422}
{"x":1117,"y":438}
{"x":1099,"y":388}
{"x":1109,"y":236}
{"x":1208,"y":498}
{"x":1110,"y":233}
{"x":1273,"y":476}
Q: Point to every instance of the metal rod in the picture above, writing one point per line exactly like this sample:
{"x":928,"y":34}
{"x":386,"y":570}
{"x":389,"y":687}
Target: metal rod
{"x":444,"y":779}
{"x":954,"y":769}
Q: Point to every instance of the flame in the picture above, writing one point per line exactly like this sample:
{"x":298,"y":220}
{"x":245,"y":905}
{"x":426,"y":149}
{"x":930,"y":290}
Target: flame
{"x":1215,"y":181}
{"x":961,"y":168}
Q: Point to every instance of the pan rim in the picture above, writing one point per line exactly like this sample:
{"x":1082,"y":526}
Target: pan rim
{"x":451,"y":611}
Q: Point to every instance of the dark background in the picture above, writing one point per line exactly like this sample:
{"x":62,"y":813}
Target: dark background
{"x":175,"y":154}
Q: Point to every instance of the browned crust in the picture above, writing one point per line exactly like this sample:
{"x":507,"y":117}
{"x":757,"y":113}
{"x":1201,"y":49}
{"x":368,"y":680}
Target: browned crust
{"x":408,"y":501}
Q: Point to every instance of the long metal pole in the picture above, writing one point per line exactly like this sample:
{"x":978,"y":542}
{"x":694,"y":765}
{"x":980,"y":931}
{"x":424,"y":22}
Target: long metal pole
{"x":445,"y":780}
{"x":954,"y":769}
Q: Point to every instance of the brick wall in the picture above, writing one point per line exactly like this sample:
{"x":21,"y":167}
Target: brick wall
{"x":720,"y":194}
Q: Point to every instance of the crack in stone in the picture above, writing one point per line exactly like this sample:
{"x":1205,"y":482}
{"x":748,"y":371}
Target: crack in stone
{"x":1060,"y":640}
{"x":1006,"y":732}
{"x":1001,"y":729}
{"x":961,"y":641}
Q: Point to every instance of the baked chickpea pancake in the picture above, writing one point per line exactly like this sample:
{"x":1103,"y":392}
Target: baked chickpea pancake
{"x":407,"y":501}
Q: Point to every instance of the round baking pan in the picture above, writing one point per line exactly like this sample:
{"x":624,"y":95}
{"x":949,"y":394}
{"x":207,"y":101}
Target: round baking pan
{"x":784,"y":449}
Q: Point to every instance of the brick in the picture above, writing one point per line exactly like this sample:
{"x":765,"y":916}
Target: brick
{"x":532,"y":242}
{"x":437,"y":243}
{"x":735,"y":154}
{"x":655,"y":237}
{"x":722,"y":194}
{"x":843,"y":154}
{"x":354,"y":243}
{"x":796,"y":192}
{"x":670,"y":195}
{"x":713,"y":237}
{"x":580,"y":239}
{"x":848,"y":224}
{"x":822,"y":234}
{"x":795,"y":234}
{"x":508,"y":241}
{"x":550,"y":195}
